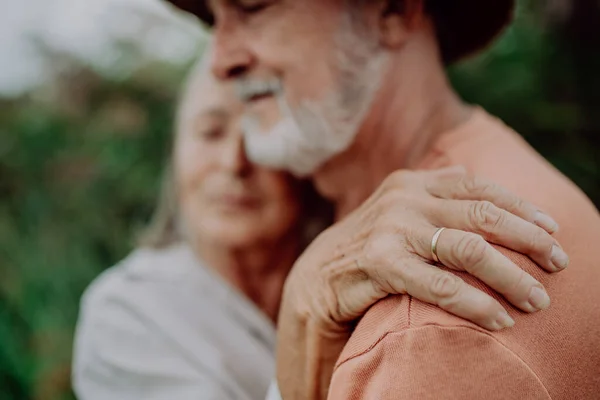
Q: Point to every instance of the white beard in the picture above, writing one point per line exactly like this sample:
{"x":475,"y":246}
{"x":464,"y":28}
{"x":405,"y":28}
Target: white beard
{"x":299,"y":151}
{"x":314,"y":132}
{"x":279,"y":149}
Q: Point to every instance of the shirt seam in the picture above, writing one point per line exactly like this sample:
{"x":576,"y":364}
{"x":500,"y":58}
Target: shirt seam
{"x":477,"y":331}
{"x":410,"y":301}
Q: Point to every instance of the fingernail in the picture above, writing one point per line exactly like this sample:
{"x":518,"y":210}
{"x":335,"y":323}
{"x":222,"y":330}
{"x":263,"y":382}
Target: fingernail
{"x":559,"y":258}
{"x":539,"y":299}
{"x":545,"y":222}
{"x":504,"y":320}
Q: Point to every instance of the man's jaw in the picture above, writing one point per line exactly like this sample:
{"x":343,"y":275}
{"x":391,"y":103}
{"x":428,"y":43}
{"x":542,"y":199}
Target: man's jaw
{"x":284,"y":145}
{"x":277,"y":148}
{"x":269,"y":144}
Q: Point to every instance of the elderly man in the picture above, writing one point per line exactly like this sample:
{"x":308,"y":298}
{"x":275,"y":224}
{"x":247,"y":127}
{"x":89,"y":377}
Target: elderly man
{"x":364,"y":81}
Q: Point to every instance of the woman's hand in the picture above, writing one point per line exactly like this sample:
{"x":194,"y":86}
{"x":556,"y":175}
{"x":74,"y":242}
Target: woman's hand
{"x":384,"y":247}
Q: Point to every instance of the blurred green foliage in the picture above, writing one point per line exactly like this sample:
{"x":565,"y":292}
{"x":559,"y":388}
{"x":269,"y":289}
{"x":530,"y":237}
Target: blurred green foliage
{"x":81,"y":161}
{"x":542,"y":80}
{"x":79,"y":172}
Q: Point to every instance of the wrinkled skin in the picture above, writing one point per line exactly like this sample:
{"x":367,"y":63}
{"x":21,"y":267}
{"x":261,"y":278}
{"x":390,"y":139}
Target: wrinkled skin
{"x":383,"y":247}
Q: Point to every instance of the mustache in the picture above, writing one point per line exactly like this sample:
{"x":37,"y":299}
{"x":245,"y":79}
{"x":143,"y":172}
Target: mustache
{"x":247,"y":89}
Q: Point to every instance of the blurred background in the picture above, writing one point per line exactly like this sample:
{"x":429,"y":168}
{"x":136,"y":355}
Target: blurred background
{"x":87,"y":92}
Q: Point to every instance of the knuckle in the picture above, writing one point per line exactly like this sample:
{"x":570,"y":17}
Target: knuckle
{"x":471,"y":184}
{"x":485,"y":216}
{"x":540,"y":241}
{"x":398,"y":179}
{"x":461,"y":170}
{"x":412,"y":240}
{"x":390,"y":199}
{"x":470,"y":251}
{"x":479,"y":187}
{"x":376,"y":251}
{"x":487,"y":189}
{"x":518,"y":204}
{"x":394,"y":204}
{"x":445,"y":287}
{"x":522,"y":284}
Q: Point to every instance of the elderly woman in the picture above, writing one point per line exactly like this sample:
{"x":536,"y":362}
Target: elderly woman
{"x":191,"y":313}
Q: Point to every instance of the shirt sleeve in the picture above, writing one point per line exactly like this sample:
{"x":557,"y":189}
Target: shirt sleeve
{"x":434,"y":362}
{"x":118,"y":356}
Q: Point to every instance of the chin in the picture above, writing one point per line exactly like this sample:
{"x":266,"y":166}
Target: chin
{"x":236,"y":236}
{"x":284,"y":147}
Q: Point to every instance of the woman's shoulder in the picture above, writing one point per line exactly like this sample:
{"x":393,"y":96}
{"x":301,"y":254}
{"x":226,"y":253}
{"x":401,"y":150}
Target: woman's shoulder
{"x":141,"y":268}
{"x":153,"y":305}
{"x":129,"y":339}
{"x":135,"y":300}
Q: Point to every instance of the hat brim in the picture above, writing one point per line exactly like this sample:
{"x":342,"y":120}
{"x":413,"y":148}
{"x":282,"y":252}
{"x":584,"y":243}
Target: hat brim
{"x":464,"y":27}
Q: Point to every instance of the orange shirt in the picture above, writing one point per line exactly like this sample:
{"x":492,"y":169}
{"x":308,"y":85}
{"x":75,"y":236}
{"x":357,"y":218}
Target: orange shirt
{"x":406,"y":349}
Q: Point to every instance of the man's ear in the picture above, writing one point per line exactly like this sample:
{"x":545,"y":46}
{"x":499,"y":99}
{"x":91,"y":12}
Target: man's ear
{"x":398,"y":18}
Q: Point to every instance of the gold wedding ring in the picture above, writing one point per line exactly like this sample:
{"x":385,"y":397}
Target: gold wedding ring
{"x":434,"y":243}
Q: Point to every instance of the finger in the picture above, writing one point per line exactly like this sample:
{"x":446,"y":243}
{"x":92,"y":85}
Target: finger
{"x":469,"y":252}
{"x":503,"y":228}
{"x":453,"y":172}
{"x":435,"y":286}
{"x":466,"y":187}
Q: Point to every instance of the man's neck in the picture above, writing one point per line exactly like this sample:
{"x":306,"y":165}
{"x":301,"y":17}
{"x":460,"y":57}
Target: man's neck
{"x":405,"y":120}
{"x":258,"y":271}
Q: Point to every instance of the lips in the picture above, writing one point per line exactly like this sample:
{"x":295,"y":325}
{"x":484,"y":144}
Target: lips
{"x":241,"y":202}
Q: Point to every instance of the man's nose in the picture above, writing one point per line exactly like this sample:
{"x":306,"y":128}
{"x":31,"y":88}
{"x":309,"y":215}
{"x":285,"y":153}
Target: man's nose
{"x":231,"y":58}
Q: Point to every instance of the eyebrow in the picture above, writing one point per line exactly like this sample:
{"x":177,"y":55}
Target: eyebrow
{"x":210,"y":4}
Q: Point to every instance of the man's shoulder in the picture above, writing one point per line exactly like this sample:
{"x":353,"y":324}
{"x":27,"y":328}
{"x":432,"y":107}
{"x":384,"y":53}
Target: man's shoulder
{"x":502,"y":156}
{"x":432,"y":362}
{"x":398,"y":315}
{"x":494,"y":151}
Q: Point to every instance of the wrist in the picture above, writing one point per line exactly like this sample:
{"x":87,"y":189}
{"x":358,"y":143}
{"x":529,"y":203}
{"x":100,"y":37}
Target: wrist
{"x":306,"y":354}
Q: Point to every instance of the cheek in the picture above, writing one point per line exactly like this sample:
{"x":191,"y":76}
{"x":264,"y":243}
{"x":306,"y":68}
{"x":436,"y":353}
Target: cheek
{"x":192,"y":171}
{"x":282,"y":201}
{"x":299,"y":46}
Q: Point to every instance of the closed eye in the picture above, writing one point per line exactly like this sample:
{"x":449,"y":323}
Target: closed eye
{"x":211,"y":134}
{"x":253,"y":7}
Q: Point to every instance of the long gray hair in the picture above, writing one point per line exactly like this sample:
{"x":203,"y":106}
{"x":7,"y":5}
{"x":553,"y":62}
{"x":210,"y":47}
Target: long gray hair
{"x":163,"y":230}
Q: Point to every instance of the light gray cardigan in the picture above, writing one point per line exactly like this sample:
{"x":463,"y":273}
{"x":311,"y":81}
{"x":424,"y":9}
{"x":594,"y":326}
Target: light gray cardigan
{"x":161,"y":326}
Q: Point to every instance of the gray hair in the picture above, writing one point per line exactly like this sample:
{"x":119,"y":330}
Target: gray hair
{"x":164,"y":228}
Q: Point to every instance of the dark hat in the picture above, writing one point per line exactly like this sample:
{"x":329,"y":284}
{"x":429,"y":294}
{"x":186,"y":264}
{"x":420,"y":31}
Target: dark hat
{"x":463,"y":26}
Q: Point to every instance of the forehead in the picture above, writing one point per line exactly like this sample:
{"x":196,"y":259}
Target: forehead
{"x":206,"y":95}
